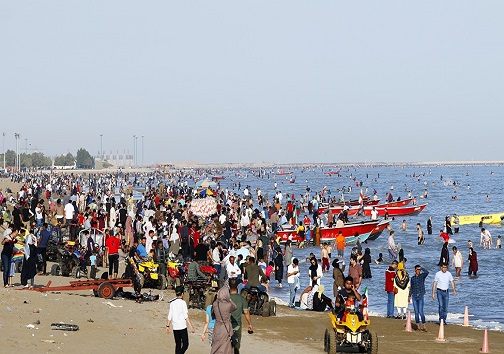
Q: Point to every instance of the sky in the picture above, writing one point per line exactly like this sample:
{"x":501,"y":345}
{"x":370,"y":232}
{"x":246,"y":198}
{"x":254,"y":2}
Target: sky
{"x":255,"y":81}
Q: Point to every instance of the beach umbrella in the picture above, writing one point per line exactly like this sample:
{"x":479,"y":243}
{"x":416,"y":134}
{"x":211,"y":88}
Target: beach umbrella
{"x":206,"y":184}
{"x":206,"y":192}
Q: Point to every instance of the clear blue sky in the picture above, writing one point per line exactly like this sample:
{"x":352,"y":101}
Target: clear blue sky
{"x":253,"y":81}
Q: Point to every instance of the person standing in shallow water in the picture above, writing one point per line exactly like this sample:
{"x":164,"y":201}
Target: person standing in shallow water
{"x":366,"y":262}
{"x":429,"y":225}
{"x":473,"y":262}
{"x":457,"y":261}
{"x":421,"y":238}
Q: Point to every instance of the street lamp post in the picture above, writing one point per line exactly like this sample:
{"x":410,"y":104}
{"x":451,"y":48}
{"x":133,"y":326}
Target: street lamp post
{"x":18,"y":164}
{"x":134,"y":149}
{"x":3,"y":149}
{"x":142,"y":151}
{"x":101,"y":147}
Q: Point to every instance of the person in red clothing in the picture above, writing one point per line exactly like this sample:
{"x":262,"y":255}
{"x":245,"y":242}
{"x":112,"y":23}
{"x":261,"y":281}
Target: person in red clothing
{"x":113,"y":243}
{"x":443,"y":235}
{"x":390,"y":274}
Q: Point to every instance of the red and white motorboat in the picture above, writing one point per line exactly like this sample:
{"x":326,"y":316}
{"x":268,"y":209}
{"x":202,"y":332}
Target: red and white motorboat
{"x":328,"y":234}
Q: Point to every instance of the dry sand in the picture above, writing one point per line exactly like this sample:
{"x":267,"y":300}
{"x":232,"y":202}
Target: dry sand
{"x":119,"y":325}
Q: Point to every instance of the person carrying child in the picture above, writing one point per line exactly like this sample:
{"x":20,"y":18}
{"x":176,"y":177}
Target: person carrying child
{"x":348,"y":308}
{"x":349,"y":288}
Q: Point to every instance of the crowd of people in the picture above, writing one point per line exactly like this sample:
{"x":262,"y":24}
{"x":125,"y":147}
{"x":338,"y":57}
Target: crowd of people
{"x":237,"y":238}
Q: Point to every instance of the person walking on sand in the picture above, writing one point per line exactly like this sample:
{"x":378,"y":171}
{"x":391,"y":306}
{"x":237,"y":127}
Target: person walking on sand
{"x":442,"y":281}
{"x":390,"y":274}
{"x":236,"y":315}
{"x":223,"y":306}
{"x":293,"y":280}
{"x":417,"y":292}
{"x":402,"y":284}
{"x":178,"y":316}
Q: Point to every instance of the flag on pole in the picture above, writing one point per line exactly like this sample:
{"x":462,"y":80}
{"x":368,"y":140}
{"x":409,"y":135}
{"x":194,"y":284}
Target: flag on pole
{"x":365,"y":304}
{"x":361,"y":198}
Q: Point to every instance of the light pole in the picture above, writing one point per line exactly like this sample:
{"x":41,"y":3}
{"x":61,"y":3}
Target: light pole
{"x":26,"y":146}
{"x":101,"y":147}
{"x":142,"y":151}
{"x":3,"y":149}
{"x":17,"y":136}
{"x":134,"y":149}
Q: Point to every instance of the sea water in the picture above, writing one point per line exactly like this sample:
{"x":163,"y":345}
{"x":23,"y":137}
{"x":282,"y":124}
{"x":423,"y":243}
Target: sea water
{"x":473,"y":184}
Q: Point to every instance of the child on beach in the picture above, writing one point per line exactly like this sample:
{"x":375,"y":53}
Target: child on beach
{"x":325,"y":258}
{"x":92,"y":261}
{"x":348,"y":308}
{"x":499,"y":242}
{"x":269,"y":269}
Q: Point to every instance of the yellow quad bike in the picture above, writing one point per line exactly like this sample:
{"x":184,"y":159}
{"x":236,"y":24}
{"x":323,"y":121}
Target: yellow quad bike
{"x":350,"y":336}
{"x":150,"y":276}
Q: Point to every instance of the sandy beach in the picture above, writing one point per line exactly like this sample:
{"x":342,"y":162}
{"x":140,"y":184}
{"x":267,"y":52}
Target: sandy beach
{"x":120,"y":325}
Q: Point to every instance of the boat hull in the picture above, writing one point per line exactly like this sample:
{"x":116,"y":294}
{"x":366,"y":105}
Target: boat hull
{"x":475,"y":219}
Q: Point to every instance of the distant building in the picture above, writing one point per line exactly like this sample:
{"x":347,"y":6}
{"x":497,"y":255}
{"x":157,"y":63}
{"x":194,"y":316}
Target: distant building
{"x":118,"y":160}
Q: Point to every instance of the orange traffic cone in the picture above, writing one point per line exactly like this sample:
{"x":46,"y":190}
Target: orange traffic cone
{"x":484,"y":348}
{"x":408,"y":322}
{"x":466,"y":317}
{"x":440,"y":336}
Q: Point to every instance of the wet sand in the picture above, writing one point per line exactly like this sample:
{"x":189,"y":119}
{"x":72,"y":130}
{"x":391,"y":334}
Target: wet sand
{"x":122,"y":325}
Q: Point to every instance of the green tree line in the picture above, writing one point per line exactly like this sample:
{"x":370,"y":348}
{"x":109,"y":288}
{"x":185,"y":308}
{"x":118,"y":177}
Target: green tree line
{"x":82,"y":159}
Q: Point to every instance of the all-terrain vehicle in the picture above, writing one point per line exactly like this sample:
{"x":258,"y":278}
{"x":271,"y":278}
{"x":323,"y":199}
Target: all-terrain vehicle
{"x":259,"y":302}
{"x":175,"y":272}
{"x":150,"y":276}
{"x":71,"y":262}
{"x":200,"y":293}
{"x":350,"y":335}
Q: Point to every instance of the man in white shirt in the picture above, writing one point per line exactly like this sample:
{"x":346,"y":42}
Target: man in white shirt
{"x":374,"y":214}
{"x":440,"y":287}
{"x":69,"y":212}
{"x":293,"y":280}
{"x":178,"y":319}
{"x":244,"y":222}
{"x":222,"y":218}
{"x":216,"y":258}
{"x":233,"y":271}
{"x":485,"y":238}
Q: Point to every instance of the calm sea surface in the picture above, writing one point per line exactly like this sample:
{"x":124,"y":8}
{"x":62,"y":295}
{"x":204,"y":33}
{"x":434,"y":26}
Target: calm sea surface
{"x":482,"y":295}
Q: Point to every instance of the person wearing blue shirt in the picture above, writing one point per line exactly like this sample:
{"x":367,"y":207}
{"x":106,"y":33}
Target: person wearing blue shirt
{"x":141,"y":251}
{"x":417,"y":292}
{"x":43,"y":240}
{"x":209,"y":324}
{"x":440,"y":287}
